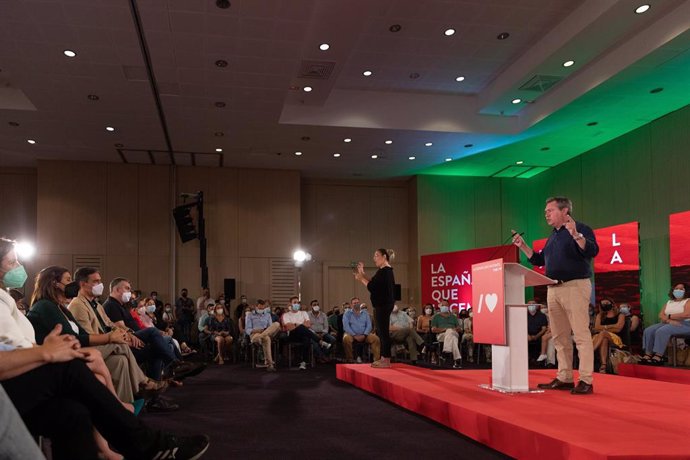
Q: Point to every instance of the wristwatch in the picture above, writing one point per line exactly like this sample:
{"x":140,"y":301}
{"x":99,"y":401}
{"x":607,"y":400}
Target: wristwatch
{"x":579,"y":237}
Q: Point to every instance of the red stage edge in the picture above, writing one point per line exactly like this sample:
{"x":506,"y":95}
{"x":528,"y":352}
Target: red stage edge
{"x":624,"y":418}
{"x":660,"y":373}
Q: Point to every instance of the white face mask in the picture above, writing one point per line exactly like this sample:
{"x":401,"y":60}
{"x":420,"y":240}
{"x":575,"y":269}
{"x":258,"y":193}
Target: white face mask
{"x":97,"y":289}
{"x":219,"y":311}
{"x":151,"y":309}
{"x":316,"y":308}
{"x":222,"y":302}
{"x":471,"y":314}
{"x":428,"y":311}
{"x":126,"y":296}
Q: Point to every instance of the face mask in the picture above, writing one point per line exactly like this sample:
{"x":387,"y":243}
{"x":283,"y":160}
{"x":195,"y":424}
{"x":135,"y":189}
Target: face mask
{"x":15,"y":278}
{"x":126,"y":296}
{"x":141,"y":310}
{"x":260,"y":311}
{"x":348,"y":309}
{"x":428,"y":311}
{"x":219,"y":311}
{"x":316,"y":308}
{"x":222,"y":302}
{"x":98,"y":290}
{"x":471,"y":314}
{"x":444,"y":309}
{"x":296,"y":306}
{"x":72,"y":290}
{"x":168,"y":309}
{"x":677,"y":293}
{"x":151,"y":309}
{"x":606,"y":307}
{"x":625,"y":310}
{"x":364,"y":307}
{"x":532,"y":308}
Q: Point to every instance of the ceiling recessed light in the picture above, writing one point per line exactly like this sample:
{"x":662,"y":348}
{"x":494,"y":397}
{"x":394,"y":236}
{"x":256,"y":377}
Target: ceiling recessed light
{"x":374,"y":156}
{"x":568,"y":63}
{"x":395,"y":28}
{"x":324,"y":46}
{"x":69,"y":53}
{"x":517,"y":101}
{"x":544,"y":149}
{"x":92,"y":97}
{"x":503,"y":35}
{"x":656,"y":90}
{"x":347,"y":139}
{"x":389,"y":142}
{"x":467,"y":146}
{"x":219,"y":134}
{"x":109,"y":128}
{"x":460,"y":78}
{"x":449,"y":32}
{"x":221,"y":63}
{"x":31,"y":141}
{"x":298,"y":153}
{"x":592,"y":123}
{"x":307,"y":89}
{"x":336,"y":155}
{"x":642,"y":8}
{"x":219,"y":150}
{"x":519,"y":162}
{"x":367,"y":73}
{"x":13,"y":123}
{"x":449,"y":159}
{"x":411,"y":158}
{"x":429,"y":144}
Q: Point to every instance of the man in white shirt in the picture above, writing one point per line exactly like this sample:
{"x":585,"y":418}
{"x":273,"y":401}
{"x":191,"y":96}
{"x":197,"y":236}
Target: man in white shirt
{"x":297,"y":325}
{"x":319,"y":323}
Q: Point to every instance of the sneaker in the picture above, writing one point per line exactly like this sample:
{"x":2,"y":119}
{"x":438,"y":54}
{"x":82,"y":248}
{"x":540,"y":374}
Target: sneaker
{"x":270,"y":368}
{"x":541,"y":358}
{"x":325,"y":345}
{"x":457,"y":364}
{"x":381,"y":364}
{"x":359,"y":360}
{"x":182,"y":447}
{"x":303,"y":366}
{"x":158,"y":405}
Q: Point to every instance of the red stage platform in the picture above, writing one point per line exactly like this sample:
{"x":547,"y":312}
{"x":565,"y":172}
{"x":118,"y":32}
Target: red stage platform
{"x":660,"y":373}
{"x":625,"y":417}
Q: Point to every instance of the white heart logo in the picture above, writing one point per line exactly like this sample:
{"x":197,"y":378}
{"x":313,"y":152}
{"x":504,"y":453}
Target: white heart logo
{"x":491,"y":301}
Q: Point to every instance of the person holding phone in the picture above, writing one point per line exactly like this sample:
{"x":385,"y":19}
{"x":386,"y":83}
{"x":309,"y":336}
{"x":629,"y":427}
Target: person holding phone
{"x":382,"y":289}
{"x":567,"y":256}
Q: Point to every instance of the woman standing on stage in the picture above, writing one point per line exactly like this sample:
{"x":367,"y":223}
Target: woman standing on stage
{"x":381,"y":287}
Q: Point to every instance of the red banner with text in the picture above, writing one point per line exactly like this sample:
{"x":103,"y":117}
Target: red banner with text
{"x":448,"y":275}
{"x":679,"y":236}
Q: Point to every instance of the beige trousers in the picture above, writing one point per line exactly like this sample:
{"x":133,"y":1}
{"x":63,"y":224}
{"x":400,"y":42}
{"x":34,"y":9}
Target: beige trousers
{"x":373,"y":341}
{"x":410,"y":337}
{"x":264,"y":338}
{"x":450,"y":340}
{"x":126,"y":373}
{"x":569,"y":311}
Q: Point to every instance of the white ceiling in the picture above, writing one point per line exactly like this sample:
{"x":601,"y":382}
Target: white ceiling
{"x":267,"y":116}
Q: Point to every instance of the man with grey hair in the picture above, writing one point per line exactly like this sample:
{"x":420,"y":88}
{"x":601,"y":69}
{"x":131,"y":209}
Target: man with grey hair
{"x":567,"y":256}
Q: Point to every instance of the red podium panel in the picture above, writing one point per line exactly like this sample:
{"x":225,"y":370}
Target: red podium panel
{"x":488,"y":298}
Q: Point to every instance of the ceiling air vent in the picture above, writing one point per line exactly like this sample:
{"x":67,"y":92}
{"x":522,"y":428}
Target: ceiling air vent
{"x":320,"y":70}
{"x":540,"y":83}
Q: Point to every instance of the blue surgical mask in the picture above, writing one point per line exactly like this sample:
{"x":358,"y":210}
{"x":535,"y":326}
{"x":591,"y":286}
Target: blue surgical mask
{"x":677,"y":293}
{"x":532,"y":308}
{"x":15,"y":278}
{"x":444,"y":309}
{"x":260,"y":311}
{"x":151,"y":309}
{"x":296,"y":306}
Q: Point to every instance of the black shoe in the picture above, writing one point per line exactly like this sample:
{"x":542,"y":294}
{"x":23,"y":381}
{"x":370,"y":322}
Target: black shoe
{"x":182,"y":447}
{"x":457,"y":364}
{"x":159,"y":404}
{"x":182,"y":369}
{"x":556,"y":384}
{"x":582,"y":388}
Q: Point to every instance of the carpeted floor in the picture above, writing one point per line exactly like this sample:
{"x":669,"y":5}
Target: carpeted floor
{"x":252,"y":414}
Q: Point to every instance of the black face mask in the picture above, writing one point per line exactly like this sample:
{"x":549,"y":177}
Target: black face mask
{"x":606,"y":307}
{"x":72,"y":290}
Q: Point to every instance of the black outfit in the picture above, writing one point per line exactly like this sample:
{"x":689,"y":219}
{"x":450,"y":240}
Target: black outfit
{"x":184,"y":310}
{"x":563,"y":257}
{"x":117,"y":312}
{"x":536,"y":322}
{"x":65,"y":401}
{"x":382,"y":290}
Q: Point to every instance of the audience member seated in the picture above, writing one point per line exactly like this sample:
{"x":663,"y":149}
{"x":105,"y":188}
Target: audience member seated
{"x":447,"y":327}
{"x":168,"y":317}
{"x":607,"y":325}
{"x":674,"y":319}
{"x":467,"y":334}
{"x":536,"y":328}
{"x":358,"y":329}
{"x":205,"y":342}
{"x":262,"y":329}
{"x":184,"y":314}
{"x":297,"y":325}
{"x":220,"y":329}
{"x":335,"y":322}
{"x":58,"y":397}
{"x":319,"y":324}
{"x":147,"y":314}
{"x":19,"y":299}
{"x":241,"y":307}
{"x":412,"y":313}
{"x":548,"y":349}
{"x":424,"y":329}
{"x":402,"y":332}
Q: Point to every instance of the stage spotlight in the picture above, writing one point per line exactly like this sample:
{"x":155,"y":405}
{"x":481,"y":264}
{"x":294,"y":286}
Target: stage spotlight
{"x":24,"y":250}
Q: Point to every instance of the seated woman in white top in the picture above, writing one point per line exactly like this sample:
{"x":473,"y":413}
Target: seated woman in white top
{"x":674,"y":319}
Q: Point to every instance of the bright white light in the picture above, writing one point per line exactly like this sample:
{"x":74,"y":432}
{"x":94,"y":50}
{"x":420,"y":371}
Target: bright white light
{"x":298,"y":153}
{"x":109,"y":128}
{"x":299,"y":256}
{"x":449,"y":159}
{"x":24,"y":250}
{"x":642,"y":8}
{"x":347,"y":139}
{"x":449,"y":32}
{"x":389,"y":142}
{"x":429,"y":144}
{"x":568,"y":63}
{"x":307,"y":89}
{"x":31,"y":141}
{"x":336,"y":155}
{"x":219,"y":150}
{"x":69,"y":53}
{"x":324,"y":46}
{"x":374,"y":156}
{"x":411,"y":158}
{"x":519,"y":162}
{"x":517,"y":101}
{"x":460,"y":78}
{"x":367,"y":73}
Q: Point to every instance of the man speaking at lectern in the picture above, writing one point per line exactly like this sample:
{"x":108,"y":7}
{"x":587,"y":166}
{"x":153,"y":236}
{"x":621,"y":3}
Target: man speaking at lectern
{"x":567,"y":257}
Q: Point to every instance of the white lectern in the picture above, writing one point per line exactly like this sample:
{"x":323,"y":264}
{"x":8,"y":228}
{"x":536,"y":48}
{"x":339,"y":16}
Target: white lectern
{"x":509,"y":363}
